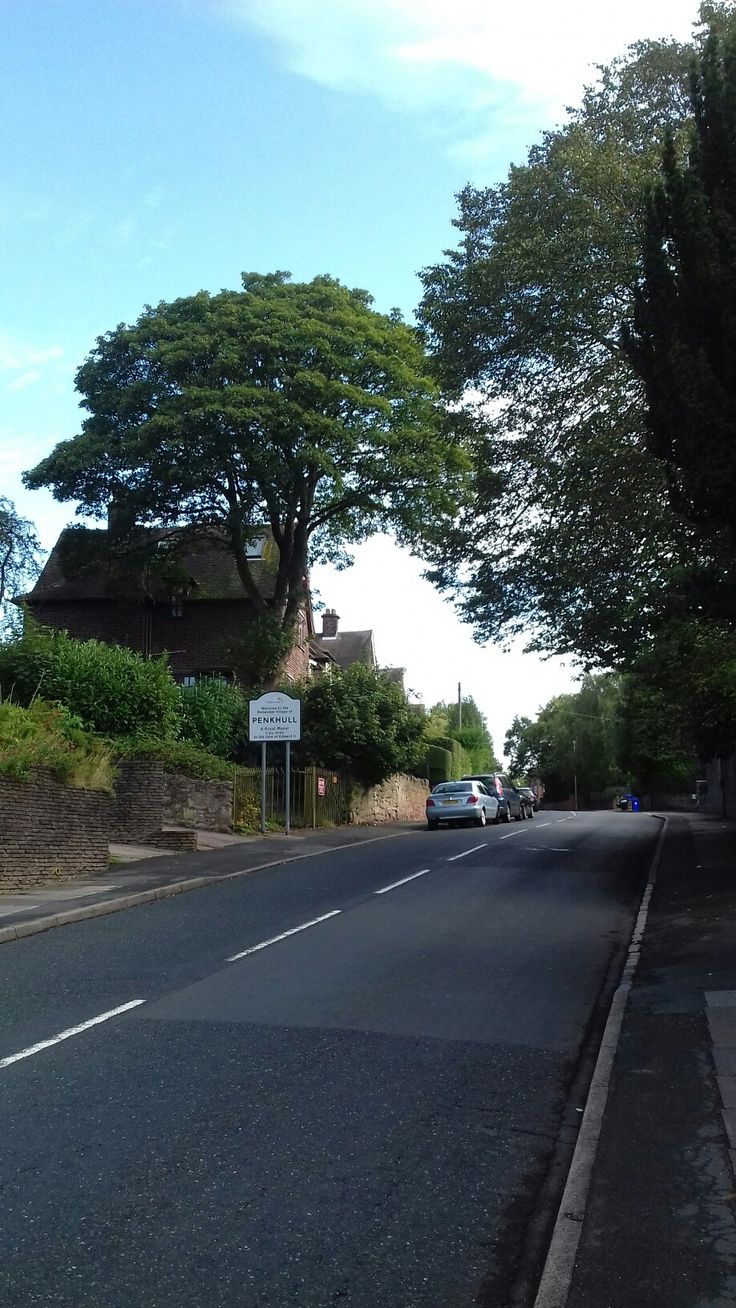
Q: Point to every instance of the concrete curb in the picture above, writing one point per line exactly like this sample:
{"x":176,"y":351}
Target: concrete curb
{"x":24,"y":929}
{"x":554,"y":1286}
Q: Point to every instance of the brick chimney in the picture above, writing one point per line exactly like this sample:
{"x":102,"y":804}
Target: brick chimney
{"x":330,"y":620}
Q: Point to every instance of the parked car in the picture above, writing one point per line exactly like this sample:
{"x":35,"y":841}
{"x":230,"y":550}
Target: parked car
{"x":509,"y":800}
{"x":530,"y":800}
{"x":461,"y":801}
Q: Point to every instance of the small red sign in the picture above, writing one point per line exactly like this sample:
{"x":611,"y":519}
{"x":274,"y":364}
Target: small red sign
{"x":321,"y":786}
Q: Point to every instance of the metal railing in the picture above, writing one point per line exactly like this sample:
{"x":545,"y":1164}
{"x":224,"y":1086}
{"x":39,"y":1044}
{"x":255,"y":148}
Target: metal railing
{"x":319,"y":797}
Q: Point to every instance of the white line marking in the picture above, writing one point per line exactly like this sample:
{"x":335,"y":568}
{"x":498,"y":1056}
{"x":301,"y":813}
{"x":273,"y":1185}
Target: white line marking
{"x":275,"y":939}
{"x":72,"y":1031}
{"x":512,"y":833}
{"x":465,"y":852}
{"x":546,"y":824}
{"x":403,"y":882}
{"x":546,"y":849}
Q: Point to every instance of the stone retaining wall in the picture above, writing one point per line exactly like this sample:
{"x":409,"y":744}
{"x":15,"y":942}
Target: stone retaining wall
{"x":398,"y":799}
{"x":148,"y":798}
{"x":50,"y":832}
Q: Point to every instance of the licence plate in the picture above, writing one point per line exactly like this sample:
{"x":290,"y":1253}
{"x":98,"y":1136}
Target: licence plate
{"x":451,"y":801}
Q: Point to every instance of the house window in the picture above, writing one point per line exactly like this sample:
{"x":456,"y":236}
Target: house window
{"x":177,"y":606}
{"x":187,"y":681}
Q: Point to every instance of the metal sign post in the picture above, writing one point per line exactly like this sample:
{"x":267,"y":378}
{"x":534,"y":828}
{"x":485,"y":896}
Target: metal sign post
{"x":275,"y":717}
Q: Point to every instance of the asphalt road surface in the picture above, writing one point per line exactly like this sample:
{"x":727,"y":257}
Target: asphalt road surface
{"x":338,"y":1082}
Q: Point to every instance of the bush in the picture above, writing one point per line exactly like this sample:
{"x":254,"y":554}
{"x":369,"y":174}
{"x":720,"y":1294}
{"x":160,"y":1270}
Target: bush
{"x":438,"y":764}
{"x":360,"y":721}
{"x":112,"y":690}
{"x":176,"y":756}
{"x":214,"y":717}
{"x":461,"y":760}
{"x":44,"y":736}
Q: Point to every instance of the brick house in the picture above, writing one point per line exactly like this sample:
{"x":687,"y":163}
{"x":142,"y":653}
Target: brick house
{"x":193,"y":609}
{"x":342,"y":649}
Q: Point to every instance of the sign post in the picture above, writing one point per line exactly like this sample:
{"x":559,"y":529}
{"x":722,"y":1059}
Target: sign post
{"x":275,"y":717}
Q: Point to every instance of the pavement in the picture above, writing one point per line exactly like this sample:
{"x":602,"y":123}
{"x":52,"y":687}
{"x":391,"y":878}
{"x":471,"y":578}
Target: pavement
{"x":657,"y":1226}
{"x":139,"y":874}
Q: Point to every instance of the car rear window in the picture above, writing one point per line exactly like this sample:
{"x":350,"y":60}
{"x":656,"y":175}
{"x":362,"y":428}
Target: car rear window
{"x":452,"y":787}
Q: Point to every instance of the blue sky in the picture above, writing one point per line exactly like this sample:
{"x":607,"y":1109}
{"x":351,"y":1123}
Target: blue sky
{"x":155,"y":147}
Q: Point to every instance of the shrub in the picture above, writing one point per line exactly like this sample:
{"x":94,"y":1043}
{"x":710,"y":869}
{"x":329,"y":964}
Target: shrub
{"x":44,"y":736}
{"x":176,"y":756}
{"x":359,"y":720}
{"x":112,"y":690}
{"x":214,"y":717}
{"x":438,"y":764}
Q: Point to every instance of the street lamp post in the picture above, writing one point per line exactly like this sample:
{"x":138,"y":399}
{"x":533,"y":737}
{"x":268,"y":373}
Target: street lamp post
{"x":575,"y":771}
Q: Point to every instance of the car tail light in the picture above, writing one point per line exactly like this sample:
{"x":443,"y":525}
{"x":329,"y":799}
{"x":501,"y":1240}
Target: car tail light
{"x":499,"y":788}
{"x":430,"y":803}
{"x":472,"y":799}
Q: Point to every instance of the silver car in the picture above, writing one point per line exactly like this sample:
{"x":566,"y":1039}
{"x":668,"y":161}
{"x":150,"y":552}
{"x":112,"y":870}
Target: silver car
{"x":461,"y":801}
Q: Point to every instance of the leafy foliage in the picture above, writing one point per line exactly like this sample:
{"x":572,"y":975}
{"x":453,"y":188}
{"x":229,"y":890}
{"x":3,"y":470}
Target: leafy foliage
{"x":176,"y":756}
{"x":112,"y":690}
{"x":358,"y":720}
{"x":468,"y":727}
{"x":19,"y":559}
{"x":214,"y":717}
{"x":292,"y":405}
{"x":571,"y":538}
{"x":683,"y":339}
{"x":573,"y":735}
{"x":44,"y":736}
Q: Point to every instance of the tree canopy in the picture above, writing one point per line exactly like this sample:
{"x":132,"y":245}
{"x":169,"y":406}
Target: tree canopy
{"x":290,"y":405}
{"x":572,"y":539}
{"x":19,"y":557}
{"x":683,"y":340}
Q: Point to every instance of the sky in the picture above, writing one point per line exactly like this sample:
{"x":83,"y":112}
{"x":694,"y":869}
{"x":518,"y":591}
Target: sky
{"x":157,"y":147}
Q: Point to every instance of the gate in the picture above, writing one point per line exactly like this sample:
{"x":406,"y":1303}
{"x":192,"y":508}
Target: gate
{"x":319,"y":797}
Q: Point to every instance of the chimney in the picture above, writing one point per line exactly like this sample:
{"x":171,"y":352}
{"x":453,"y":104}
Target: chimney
{"x":330,"y":620}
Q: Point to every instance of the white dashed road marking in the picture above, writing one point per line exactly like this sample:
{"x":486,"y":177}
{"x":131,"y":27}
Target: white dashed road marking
{"x":275,"y":939}
{"x":71,"y":1031}
{"x":465,"y":852}
{"x":385,"y":889}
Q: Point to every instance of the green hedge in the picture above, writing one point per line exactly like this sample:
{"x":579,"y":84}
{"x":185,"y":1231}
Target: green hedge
{"x":460,"y":760}
{"x":176,"y":756}
{"x":438,"y":764}
{"x":112,"y":690}
{"x":214,"y":717}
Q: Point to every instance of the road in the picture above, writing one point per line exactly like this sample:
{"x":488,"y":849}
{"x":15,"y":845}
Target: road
{"x":338,"y":1082}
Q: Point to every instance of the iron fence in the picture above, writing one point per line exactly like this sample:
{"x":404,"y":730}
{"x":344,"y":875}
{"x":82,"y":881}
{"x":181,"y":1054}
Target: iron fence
{"x":318,"y":797}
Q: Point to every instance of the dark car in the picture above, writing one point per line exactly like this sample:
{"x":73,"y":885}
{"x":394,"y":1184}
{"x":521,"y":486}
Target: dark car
{"x":509,"y":800}
{"x":530,"y":800}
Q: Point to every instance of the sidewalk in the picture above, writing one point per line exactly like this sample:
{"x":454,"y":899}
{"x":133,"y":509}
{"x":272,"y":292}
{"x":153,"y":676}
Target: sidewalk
{"x":139,"y":876}
{"x":659,"y":1229}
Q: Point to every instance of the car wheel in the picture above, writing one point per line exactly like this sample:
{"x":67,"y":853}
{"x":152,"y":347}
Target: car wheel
{"x":432,"y":826}
{"x":507,"y":814}
{"x":480,"y":821}
{"x":530,"y":813}
{"x":521,"y":815}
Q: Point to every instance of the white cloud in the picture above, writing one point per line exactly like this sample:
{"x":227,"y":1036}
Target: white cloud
{"x":24,"y":379}
{"x":460,"y":64}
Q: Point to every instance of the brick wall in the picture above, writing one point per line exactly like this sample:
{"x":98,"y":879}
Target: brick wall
{"x":50,"y":832}
{"x":200,"y":641}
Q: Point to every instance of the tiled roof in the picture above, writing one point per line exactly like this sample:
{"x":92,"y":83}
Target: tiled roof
{"x":208,"y":565}
{"x":349,"y":647}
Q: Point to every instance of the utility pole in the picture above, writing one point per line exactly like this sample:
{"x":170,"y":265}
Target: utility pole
{"x":575,"y":767}
{"x":459,"y":707}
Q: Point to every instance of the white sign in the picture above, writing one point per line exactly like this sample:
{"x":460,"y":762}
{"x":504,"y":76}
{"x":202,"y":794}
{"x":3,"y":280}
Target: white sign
{"x":275,"y":717}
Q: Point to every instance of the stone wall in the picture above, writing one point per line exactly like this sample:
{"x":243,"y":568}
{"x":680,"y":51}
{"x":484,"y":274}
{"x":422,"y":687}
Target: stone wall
{"x":50,"y":832}
{"x":189,"y":802}
{"x":148,"y":799}
{"x":398,"y":799}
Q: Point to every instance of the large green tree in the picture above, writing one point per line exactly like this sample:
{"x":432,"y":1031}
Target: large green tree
{"x":294,"y":405}
{"x":572,"y":537}
{"x":683,"y":340}
{"x":19,"y":559}
{"x":573,"y":736}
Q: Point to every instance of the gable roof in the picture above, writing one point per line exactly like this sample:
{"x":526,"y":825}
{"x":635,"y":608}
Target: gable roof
{"x":206,"y":567}
{"x":349,"y":647}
